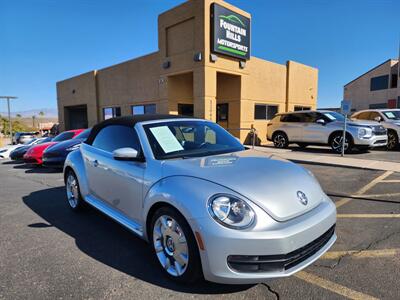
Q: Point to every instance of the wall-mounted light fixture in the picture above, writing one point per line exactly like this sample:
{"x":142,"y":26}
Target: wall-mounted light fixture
{"x":198,"y":56}
{"x":242,"y":64}
{"x":213,"y":57}
{"x":166,"y":64}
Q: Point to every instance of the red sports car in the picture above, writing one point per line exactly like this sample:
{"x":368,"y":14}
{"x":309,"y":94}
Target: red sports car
{"x":35,"y":153}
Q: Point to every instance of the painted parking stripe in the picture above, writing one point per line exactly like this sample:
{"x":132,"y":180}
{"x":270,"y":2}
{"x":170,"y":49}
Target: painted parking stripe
{"x":391,"y":181}
{"x":371,"y":216}
{"x":361,"y":254}
{"x":332,"y":286}
{"x":365,"y":188}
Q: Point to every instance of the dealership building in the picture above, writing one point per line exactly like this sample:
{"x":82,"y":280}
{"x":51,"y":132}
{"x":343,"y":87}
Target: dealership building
{"x":203,"y":68}
{"x":377,"y":88}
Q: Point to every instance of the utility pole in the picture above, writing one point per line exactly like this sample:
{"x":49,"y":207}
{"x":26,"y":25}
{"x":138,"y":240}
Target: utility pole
{"x":8,"y":98}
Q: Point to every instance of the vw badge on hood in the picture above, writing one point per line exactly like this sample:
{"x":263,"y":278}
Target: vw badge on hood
{"x":302,"y":197}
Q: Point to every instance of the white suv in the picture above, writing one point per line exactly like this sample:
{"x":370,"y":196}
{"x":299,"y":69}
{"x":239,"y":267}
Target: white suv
{"x":388,"y":118}
{"x":324,"y":127}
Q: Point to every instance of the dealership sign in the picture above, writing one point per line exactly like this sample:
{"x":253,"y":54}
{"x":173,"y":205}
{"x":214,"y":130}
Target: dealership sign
{"x":230,"y":33}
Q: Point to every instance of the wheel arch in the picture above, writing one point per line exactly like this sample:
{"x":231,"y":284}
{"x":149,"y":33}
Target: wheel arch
{"x":348,"y":135}
{"x":74,"y":162}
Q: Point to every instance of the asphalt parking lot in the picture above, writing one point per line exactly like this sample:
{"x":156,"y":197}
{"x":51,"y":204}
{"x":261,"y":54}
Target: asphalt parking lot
{"x":49,"y":252}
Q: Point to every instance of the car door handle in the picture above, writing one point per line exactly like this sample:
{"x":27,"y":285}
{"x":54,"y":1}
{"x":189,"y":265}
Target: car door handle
{"x":95,"y":163}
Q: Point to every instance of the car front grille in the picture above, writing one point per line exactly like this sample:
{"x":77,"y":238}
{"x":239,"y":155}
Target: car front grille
{"x":278,"y":263}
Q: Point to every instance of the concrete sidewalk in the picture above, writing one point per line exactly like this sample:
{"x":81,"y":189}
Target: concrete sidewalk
{"x":334,"y":160}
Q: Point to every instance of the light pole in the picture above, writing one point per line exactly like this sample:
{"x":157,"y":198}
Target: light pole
{"x":8,"y":98}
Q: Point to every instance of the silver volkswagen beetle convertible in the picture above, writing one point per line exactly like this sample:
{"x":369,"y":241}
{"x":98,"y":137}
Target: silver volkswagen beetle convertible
{"x":208,"y":206}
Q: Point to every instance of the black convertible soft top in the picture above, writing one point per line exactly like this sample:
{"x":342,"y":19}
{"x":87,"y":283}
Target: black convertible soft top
{"x":129,"y":121}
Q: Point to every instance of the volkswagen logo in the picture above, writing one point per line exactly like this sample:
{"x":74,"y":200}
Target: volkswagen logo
{"x":302,"y":197}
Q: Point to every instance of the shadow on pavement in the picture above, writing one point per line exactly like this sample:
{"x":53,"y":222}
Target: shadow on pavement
{"x":109,"y":243}
{"x":321,"y":150}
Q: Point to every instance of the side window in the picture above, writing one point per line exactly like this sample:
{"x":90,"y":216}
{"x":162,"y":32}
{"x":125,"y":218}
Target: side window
{"x":114,"y":137}
{"x":373,"y":115}
{"x":363,"y":116}
{"x":292,"y":118}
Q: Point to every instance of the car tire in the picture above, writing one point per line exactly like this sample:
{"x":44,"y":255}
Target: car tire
{"x":175,"y":246}
{"x":393,"y":140}
{"x":335,"y":143}
{"x":280,"y":140}
{"x":74,"y":198}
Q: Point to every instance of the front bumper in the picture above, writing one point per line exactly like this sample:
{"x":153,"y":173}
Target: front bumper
{"x":54,"y":162}
{"x":32,"y":160}
{"x":309,"y":235}
{"x":374,"y":141}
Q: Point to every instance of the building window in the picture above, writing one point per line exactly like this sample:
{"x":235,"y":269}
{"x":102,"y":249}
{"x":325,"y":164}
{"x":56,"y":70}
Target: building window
{"x":222,"y":112}
{"x":393,"y":81}
{"x":185,"y":110}
{"x":144,"y":109}
{"x":111,"y":112}
{"x":265,"y":112}
{"x":379,"y":83}
{"x":300,"y":108}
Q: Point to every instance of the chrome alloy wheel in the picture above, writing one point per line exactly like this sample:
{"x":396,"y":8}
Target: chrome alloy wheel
{"x":392,"y":141}
{"x":337,"y":143}
{"x":72,"y":191}
{"x":279,"y":140}
{"x":170,"y":245}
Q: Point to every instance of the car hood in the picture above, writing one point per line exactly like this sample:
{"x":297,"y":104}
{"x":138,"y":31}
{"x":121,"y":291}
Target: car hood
{"x":268,"y":181}
{"x":62,"y":146}
{"x":361,"y":123}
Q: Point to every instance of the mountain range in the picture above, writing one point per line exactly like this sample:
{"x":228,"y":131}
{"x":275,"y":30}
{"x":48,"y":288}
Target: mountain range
{"x":48,"y":113}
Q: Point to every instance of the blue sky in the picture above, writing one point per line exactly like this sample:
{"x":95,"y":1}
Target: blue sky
{"x":44,"y":41}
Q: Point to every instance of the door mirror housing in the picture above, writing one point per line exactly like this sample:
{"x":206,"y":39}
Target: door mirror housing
{"x":127,"y":154}
{"x":378,"y":118}
{"x":320,"y":121}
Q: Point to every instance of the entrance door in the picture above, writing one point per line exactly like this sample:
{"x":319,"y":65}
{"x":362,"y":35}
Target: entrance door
{"x":223,"y":114}
{"x":185,"y":109}
{"x":76,"y":117}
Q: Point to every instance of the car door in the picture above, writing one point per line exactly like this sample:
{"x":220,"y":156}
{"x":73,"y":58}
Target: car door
{"x":291,"y":124}
{"x":313,"y":132}
{"x":114,"y":182}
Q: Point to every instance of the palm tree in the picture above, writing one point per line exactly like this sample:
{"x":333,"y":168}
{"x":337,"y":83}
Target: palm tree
{"x":41,"y":113}
{"x":18,"y":115}
{"x":33,"y":121}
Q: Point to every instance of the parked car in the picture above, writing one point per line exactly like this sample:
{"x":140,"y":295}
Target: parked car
{"x":324,"y":128}
{"x":206,"y":204}
{"x":388,"y":118}
{"x":34,"y":154}
{"x":22,"y":137}
{"x":18,"y":153}
{"x":55,"y":155}
{"x":6,"y":151}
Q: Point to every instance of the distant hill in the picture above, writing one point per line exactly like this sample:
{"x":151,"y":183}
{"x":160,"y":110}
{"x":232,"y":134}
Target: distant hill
{"x":48,"y":113}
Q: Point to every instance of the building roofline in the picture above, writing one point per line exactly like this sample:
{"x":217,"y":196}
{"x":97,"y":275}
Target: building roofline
{"x":390,"y":59}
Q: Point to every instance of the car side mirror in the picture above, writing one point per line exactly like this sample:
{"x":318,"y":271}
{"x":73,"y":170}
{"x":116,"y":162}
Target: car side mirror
{"x":320,"y":121}
{"x":128,"y":154}
{"x":378,"y":118}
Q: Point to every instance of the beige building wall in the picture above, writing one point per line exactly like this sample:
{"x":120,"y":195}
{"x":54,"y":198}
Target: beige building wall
{"x":359,"y":92}
{"x":172,"y":76}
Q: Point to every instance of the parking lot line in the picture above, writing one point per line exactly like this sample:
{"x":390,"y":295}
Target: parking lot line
{"x":371,"y":216}
{"x":361,"y":254}
{"x":365,"y":188}
{"x":391,"y":181}
{"x":332,"y":286}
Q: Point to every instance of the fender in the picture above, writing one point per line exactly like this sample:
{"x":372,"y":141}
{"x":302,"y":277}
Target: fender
{"x":189,"y":195}
{"x":75,"y":161}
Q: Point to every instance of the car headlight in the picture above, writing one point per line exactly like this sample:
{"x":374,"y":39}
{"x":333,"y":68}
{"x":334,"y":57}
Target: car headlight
{"x":3,"y":150}
{"x":231,"y":211}
{"x":74,"y":147}
{"x":364,"y":133}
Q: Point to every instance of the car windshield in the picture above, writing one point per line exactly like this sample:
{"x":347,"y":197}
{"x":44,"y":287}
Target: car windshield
{"x":84,"y":134}
{"x":392,"y":114}
{"x":182,"y":139}
{"x":334,"y":116}
{"x":63,"y":136}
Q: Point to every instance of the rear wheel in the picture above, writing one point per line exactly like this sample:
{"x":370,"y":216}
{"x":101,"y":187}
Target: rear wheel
{"x":73,"y":193}
{"x":393,"y":140}
{"x":280,"y":140}
{"x":175,"y":246}
{"x":336,"y":143}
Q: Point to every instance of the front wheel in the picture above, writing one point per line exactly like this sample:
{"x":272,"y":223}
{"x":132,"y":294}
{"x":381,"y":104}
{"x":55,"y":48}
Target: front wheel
{"x":393,"y":140}
{"x":280,"y":140}
{"x":336,"y":143}
{"x":175,"y":246}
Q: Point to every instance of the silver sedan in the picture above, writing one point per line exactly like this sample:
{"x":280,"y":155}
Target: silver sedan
{"x":208,"y":206}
